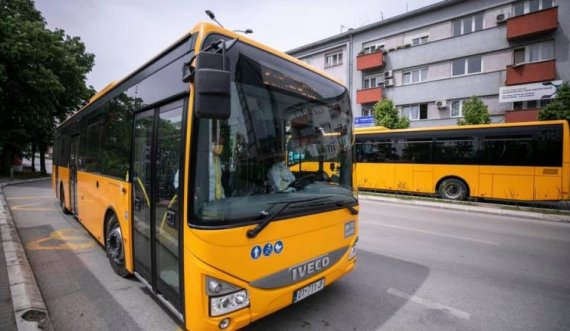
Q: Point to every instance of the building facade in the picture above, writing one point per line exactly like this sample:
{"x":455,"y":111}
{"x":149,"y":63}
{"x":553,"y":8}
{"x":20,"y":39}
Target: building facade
{"x":511,"y":54}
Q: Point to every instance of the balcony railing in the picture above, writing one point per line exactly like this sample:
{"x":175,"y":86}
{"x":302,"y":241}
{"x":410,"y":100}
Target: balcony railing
{"x":370,"y":61}
{"x":527,"y":115}
{"x":531,"y":72}
{"x":370,"y":95}
{"x":532,"y":24}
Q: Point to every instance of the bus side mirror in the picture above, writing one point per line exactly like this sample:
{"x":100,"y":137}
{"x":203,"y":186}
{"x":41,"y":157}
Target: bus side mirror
{"x":212,"y":86}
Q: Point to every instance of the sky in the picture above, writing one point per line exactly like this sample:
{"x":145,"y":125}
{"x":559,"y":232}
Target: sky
{"x":125,"y":34}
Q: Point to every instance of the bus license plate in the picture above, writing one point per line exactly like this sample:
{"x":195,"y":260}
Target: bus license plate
{"x":308,"y":290}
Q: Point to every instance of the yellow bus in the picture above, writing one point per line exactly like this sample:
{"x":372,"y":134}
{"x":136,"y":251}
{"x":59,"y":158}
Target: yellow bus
{"x":514,"y":161}
{"x":178,"y":171}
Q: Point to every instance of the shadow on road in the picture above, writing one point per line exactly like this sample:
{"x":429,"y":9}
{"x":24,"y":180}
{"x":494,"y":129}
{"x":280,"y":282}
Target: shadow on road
{"x":359,"y":301}
{"x":75,"y":298}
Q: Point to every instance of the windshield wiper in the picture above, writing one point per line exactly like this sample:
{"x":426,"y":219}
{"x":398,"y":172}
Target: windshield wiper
{"x":252,"y":233}
{"x":346,"y":205}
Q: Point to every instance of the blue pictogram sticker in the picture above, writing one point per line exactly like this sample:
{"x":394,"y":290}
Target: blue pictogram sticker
{"x":255,"y":252}
{"x":267,"y":249}
{"x":278,"y":247}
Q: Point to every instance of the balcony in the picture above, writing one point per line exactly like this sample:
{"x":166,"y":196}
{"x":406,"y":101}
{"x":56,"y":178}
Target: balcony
{"x":370,"y":95}
{"x":527,"y":115}
{"x":532,"y":24}
{"x":531,"y":72}
{"x":370,"y":61}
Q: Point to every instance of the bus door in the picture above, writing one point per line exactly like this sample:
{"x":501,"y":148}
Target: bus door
{"x":73,"y":173}
{"x":156,"y":183}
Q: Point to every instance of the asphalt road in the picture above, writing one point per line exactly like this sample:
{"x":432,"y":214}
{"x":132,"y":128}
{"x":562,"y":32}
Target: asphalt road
{"x":418,"y":269}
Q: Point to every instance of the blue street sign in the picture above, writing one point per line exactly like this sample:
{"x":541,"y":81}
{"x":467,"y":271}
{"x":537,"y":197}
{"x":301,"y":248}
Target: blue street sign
{"x":278,"y":247}
{"x":267,"y":249}
{"x":363,"y":121}
{"x":255,"y":252}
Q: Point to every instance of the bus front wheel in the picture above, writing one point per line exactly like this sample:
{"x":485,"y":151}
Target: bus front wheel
{"x":453,"y":189}
{"x":115,"y":247}
{"x":62,"y":201}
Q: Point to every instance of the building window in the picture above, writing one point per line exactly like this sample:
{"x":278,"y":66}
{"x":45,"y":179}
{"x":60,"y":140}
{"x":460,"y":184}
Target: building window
{"x":371,"y":48}
{"x":467,"y":65}
{"x":415,"y":76}
{"x":415,"y":112}
{"x":332,"y":60}
{"x":532,"y":104}
{"x":366,"y":111}
{"x":370,"y":82}
{"x":534,"y":53}
{"x":467,"y":24}
{"x":530,"y":6}
{"x":456,"y":109}
{"x":420,"y":40}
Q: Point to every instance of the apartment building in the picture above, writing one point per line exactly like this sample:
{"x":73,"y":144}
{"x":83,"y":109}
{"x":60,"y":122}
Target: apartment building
{"x":511,"y":54}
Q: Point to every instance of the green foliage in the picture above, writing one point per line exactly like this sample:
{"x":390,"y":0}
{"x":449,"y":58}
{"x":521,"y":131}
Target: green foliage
{"x":475,"y":111}
{"x":386,"y":115}
{"x":559,"y":107}
{"x":42,"y":77}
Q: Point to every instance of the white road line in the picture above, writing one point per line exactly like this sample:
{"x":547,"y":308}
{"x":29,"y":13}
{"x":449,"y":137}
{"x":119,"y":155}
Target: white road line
{"x":434,"y":233}
{"x":429,"y":304}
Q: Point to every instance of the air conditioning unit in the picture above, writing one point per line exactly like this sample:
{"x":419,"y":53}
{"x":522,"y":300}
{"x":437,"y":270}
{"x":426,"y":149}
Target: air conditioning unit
{"x":388,"y":74}
{"x":441,"y":103}
{"x":501,"y":18}
{"x":389,"y":82}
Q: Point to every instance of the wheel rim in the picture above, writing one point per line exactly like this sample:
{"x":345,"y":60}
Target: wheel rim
{"x":115,"y":244}
{"x":452,"y":191}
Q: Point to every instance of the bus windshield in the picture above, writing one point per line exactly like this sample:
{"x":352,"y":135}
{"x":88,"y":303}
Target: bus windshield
{"x":248,"y":166}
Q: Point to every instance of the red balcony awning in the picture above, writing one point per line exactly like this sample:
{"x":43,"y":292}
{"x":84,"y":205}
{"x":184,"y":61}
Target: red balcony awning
{"x":532,"y":24}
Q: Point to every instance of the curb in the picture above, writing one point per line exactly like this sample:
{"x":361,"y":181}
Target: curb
{"x":29,"y":308}
{"x":479,"y":209}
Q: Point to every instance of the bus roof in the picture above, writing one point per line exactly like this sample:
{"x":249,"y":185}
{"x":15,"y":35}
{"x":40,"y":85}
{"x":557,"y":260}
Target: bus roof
{"x":383,"y":130}
{"x":203,"y":29}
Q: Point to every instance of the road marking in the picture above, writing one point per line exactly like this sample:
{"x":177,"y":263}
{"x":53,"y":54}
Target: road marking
{"x":429,"y":304}
{"x":436,"y":233}
{"x":63,"y":239}
{"x":30,"y":207}
{"x":27,"y":197}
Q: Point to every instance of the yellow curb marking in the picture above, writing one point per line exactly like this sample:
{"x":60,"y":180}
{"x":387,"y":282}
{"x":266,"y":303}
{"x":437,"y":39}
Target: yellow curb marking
{"x":63,"y":239}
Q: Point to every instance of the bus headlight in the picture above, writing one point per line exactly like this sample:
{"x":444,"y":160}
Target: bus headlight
{"x":225,"y":297}
{"x":228,"y":303}
{"x":352,"y":253}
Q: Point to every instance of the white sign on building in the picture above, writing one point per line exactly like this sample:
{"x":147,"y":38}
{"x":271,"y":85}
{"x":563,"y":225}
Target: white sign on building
{"x":528,"y":92}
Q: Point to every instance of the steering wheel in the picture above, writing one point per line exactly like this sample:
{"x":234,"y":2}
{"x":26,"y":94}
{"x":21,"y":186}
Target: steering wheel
{"x":301,"y":182}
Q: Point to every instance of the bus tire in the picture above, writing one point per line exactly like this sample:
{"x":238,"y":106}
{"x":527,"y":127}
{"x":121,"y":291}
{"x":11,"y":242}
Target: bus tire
{"x":453,"y":189}
{"x":114,"y":246}
{"x":62,"y":201}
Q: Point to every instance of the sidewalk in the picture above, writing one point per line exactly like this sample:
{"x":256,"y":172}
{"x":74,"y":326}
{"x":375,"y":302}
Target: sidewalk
{"x":541,"y":214}
{"x":21,"y":304}
{"x":7,"y":320}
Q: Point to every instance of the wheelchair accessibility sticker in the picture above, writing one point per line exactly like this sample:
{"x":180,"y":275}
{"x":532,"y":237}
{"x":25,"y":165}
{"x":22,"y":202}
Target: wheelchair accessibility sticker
{"x":268,"y":249}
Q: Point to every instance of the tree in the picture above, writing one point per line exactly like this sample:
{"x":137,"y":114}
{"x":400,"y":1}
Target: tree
{"x":475,"y":111}
{"x":42,"y":79}
{"x":386,"y":115}
{"x":559,"y":107}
